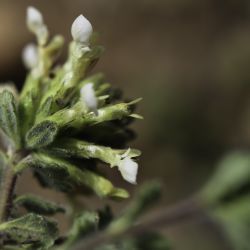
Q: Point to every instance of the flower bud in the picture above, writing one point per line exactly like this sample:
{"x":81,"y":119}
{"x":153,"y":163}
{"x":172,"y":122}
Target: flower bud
{"x":89,"y":98}
{"x":81,"y":30}
{"x":34,"y":18}
{"x":30,"y":56}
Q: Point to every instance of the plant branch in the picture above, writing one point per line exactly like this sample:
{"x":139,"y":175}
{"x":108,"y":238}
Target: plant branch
{"x":6,"y":194}
{"x":166,"y":217}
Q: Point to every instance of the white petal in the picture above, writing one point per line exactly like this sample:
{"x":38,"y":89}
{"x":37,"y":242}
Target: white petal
{"x":81,"y":30}
{"x":128,"y":169}
{"x":34,"y":18}
{"x":89,"y":97}
{"x":30,"y":56}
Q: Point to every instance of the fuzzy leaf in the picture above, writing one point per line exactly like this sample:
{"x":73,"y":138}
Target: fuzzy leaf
{"x":37,"y":205}
{"x":44,"y":133}
{"x":69,"y":173}
{"x":234,"y":218}
{"x":31,"y":228}
{"x":9,"y":118}
{"x":84,"y":224}
{"x":232,"y":173}
{"x":41,"y":135}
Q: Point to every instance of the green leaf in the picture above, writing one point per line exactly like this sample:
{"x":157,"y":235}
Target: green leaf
{"x":9,"y":117}
{"x":74,"y":118}
{"x":84,"y":224}
{"x":37,"y":205}
{"x":70,"y":174}
{"x":41,"y":134}
{"x":234,"y":218}
{"x":231,"y":174}
{"x":31,"y":228}
{"x":44,"y":132}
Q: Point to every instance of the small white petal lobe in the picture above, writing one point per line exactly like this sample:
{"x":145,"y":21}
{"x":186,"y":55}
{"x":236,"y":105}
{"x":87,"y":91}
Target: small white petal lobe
{"x":89,"y":98}
{"x":128,"y":169}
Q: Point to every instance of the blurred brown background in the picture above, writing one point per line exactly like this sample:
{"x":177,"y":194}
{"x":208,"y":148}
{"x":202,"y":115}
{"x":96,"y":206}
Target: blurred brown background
{"x":188,"y":59}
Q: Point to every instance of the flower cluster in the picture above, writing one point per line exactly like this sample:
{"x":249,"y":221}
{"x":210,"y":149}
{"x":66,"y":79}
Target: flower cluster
{"x":64,"y":114}
{"x":63,"y":123}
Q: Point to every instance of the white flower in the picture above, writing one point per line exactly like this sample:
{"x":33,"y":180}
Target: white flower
{"x":34,"y":18}
{"x":30,"y":56}
{"x":81,"y":30}
{"x":89,"y":98}
{"x":128,"y":169}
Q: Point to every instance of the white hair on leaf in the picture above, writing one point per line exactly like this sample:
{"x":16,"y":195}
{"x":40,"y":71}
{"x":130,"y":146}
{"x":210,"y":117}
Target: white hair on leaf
{"x":81,"y":30}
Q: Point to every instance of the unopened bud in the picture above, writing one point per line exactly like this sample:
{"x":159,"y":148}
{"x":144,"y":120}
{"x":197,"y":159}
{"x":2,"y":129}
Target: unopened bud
{"x":30,"y":56}
{"x":81,"y":30}
{"x":34,"y":18}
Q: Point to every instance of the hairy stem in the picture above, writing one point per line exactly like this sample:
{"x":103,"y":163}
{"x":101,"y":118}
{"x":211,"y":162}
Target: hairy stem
{"x":164,"y":218}
{"x":6,"y":193}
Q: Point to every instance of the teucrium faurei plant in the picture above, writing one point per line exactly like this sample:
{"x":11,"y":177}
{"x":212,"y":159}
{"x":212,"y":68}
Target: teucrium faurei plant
{"x":62,"y":124}
{"x":66,"y":126}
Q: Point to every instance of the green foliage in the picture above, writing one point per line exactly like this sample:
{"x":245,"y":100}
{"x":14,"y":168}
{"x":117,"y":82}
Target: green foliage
{"x":234,"y":218}
{"x":37,"y":205}
{"x":228,"y":195}
{"x":41,"y":135}
{"x":62,"y":124}
{"x":89,"y":222}
{"x":30,"y":229}
{"x":70,"y":175}
{"x":230,"y":176}
{"x":9,"y":122}
{"x":84,"y":224}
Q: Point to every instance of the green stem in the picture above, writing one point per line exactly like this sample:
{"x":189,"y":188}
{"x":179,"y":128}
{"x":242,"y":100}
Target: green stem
{"x":6,"y":193}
